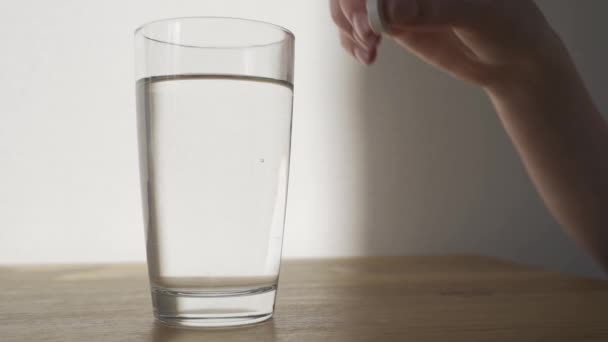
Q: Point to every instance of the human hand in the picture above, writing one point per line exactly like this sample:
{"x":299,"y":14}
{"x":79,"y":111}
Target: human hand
{"x":508,"y":48}
{"x":481,"y":41}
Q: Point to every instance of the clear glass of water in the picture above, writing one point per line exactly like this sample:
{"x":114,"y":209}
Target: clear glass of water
{"x":214,"y":104}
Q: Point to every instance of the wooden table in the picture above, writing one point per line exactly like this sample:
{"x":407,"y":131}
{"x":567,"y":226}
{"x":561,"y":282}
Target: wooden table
{"x":448,"y":298}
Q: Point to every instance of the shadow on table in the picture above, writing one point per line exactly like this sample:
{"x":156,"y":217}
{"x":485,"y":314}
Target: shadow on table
{"x":262,"y":332}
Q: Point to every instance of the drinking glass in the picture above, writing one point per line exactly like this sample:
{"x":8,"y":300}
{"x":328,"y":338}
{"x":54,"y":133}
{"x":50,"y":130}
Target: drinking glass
{"x":214,"y":107}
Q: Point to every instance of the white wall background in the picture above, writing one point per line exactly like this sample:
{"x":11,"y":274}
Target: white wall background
{"x":393,"y":159}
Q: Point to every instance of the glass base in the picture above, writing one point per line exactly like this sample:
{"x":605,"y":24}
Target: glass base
{"x":213,"y":309}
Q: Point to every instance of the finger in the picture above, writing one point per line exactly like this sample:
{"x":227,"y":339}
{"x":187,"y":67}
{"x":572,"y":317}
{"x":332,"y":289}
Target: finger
{"x":347,"y":43}
{"x":355,"y":12}
{"x":363,"y":55}
{"x":445,"y":50}
{"x":338,"y":17}
{"x":366,"y":45}
{"x":353,"y":44}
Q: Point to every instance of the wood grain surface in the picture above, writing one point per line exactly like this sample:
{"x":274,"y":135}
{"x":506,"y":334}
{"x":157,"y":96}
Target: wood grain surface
{"x":443,"y":298}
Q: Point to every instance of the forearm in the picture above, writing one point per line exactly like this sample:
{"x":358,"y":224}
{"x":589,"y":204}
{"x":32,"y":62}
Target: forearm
{"x":563,"y":142}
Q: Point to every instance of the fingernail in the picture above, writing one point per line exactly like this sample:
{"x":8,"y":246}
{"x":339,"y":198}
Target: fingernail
{"x":362,"y":28}
{"x":363,"y":45}
{"x":363,"y":56}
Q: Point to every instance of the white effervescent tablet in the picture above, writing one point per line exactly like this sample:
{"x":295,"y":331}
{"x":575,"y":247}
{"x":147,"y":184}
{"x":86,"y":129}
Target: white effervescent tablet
{"x":374,"y":16}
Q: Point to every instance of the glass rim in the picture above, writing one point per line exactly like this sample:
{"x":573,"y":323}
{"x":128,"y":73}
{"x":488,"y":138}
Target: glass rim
{"x":288,"y":34}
